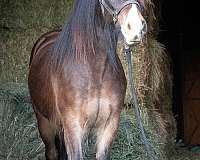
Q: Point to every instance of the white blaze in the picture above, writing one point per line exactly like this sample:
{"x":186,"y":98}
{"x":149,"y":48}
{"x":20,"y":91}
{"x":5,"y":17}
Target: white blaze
{"x":132,"y":26}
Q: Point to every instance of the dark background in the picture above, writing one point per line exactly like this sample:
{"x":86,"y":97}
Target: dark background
{"x":179,"y":32}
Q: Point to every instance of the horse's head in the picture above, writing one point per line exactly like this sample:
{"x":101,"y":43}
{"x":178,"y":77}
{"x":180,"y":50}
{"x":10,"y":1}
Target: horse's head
{"x":128,"y":15}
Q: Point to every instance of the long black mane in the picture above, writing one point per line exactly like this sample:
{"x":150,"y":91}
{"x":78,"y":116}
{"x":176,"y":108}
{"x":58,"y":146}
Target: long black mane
{"x":80,"y":36}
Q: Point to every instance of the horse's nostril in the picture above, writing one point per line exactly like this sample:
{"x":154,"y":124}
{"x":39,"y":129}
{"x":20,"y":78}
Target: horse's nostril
{"x":136,"y":38}
{"x":144,"y":26}
{"x":129,"y":26}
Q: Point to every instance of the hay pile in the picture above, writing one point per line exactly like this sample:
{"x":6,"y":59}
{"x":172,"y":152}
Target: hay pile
{"x":21,"y":24}
{"x":18,"y":131}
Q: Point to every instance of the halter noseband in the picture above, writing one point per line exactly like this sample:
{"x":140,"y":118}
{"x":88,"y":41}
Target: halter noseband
{"x":114,"y":11}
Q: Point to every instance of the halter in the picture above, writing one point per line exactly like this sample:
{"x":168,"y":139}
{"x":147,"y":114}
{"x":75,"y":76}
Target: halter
{"x":115,"y":9}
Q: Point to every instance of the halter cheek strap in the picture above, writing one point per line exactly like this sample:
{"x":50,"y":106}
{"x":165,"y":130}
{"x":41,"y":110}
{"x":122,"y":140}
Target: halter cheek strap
{"x":109,"y":8}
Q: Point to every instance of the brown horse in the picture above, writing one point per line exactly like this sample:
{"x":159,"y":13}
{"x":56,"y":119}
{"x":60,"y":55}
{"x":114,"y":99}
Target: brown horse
{"x":76,"y":81}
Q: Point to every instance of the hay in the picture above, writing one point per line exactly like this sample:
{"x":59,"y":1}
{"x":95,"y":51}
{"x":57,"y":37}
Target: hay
{"x":18,"y":131}
{"x":159,"y":96}
{"x":21,"y":24}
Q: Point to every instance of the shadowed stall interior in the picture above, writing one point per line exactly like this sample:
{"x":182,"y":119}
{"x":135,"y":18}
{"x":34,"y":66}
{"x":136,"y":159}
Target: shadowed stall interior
{"x":179,"y":32}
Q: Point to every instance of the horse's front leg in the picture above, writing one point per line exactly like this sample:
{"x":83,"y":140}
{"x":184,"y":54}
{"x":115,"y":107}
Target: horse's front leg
{"x":73,"y":138}
{"x":106,"y":135}
{"x":47,"y":134}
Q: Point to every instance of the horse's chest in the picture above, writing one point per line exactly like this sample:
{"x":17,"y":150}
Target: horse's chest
{"x":104,"y":99}
{"x":98,"y":109}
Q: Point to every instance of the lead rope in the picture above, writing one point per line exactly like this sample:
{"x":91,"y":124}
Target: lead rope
{"x":148,"y":146}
